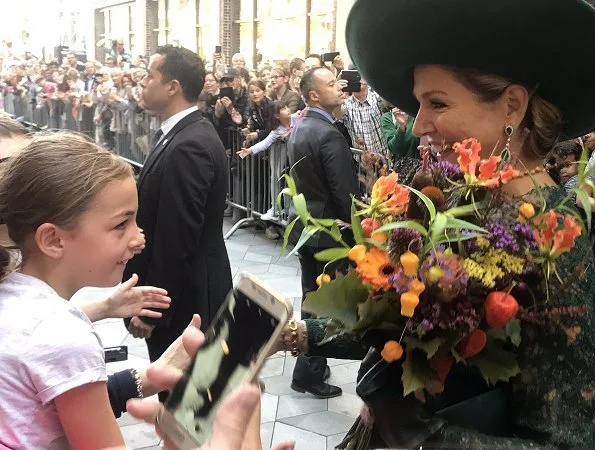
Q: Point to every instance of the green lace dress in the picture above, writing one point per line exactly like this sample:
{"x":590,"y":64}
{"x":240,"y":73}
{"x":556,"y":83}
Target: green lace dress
{"x":551,"y":402}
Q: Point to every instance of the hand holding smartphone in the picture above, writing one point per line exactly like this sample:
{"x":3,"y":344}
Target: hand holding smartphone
{"x":236,"y":346}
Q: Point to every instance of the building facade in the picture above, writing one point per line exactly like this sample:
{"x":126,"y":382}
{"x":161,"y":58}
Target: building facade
{"x":262,"y":30}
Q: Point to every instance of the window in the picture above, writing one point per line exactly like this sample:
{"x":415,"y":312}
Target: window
{"x":207,"y":28}
{"x":285,"y":28}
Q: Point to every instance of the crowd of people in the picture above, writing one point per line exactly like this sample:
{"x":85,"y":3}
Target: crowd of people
{"x":74,"y":216}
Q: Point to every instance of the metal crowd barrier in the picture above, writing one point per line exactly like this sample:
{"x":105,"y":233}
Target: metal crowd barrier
{"x":254,"y":182}
{"x":121,"y":127}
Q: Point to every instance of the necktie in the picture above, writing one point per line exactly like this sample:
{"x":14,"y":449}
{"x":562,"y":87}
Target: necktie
{"x":156,"y":138}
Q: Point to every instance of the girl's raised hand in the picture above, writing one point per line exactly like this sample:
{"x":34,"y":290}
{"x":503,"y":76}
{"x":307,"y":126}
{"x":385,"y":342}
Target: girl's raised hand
{"x":129,"y":300}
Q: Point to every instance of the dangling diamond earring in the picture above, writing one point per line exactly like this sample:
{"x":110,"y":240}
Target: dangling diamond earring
{"x":509,"y":131}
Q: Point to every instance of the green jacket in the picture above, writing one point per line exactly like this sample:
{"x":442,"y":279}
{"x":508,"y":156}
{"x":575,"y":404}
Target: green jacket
{"x":400,"y":143}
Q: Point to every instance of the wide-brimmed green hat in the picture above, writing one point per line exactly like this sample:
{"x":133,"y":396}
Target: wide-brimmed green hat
{"x":547,"y":45}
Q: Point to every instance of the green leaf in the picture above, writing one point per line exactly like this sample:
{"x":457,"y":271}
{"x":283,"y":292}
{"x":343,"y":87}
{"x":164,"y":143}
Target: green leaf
{"x":459,"y":224}
{"x":332,"y":254}
{"x":582,"y":164}
{"x":307,"y":233}
{"x":356,"y":225}
{"x":288,"y":231}
{"x":417,"y":372}
{"x":285,"y":191}
{"x":338,"y":300}
{"x":290,"y":185}
{"x":495,"y":363}
{"x":299,"y":203}
{"x":437,"y":226}
{"x":585,"y":204}
{"x":466,"y":210}
{"x":424,"y":198}
{"x":375,"y":311}
{"x":410,"y":224}
{"x":335,"y":232}
{"x":323,"y":222}
{"x":513,"y":331}
{"x":452,"y":238}
{"x":429,"y":347}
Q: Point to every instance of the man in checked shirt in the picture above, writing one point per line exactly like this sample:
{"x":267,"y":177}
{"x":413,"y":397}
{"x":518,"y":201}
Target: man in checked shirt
{"x":362,"y":115}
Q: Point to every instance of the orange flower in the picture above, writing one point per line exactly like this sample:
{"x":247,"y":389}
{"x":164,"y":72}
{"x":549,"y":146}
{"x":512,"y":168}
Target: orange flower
{"x":375,"y":268}
{"x":469,"y":160}
{"x":392,"y":351}
{"x":384,"y":187}
{"x":526,"y":211}
{"x":508,"y":173}
{"x":468,"y":152}
{"x":564,"y":238}
{"x":487,"y":171}
{"x":388,"y":196}
{"x":397,"y":203}
{"x":553,"y":237}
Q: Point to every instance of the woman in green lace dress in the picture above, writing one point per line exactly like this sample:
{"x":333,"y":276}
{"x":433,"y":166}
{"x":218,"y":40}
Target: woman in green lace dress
{"x":488,"y":70}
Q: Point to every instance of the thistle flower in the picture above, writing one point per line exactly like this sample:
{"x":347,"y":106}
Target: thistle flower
{"x":403,"y":240}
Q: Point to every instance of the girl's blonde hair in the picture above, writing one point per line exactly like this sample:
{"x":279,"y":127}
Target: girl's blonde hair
{"x":53,"y":180}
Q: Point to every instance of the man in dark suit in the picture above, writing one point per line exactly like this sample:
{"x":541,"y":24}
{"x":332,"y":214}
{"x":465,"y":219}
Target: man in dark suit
{"x":324,"y":172}
{"x":181,"y":190}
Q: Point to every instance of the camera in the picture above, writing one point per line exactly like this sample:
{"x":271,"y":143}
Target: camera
{"x":354,"y":81}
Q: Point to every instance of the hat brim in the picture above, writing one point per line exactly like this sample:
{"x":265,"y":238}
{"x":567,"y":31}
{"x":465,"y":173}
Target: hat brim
{"x":547,"y":45}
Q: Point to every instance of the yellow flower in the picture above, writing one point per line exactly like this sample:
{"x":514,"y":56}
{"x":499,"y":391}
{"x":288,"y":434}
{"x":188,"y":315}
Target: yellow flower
{"x":492,"y":265}
{"x":527,"y":210}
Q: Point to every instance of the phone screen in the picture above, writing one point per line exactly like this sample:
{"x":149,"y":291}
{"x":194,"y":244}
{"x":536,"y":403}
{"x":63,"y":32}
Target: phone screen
{"x":232,"y":343}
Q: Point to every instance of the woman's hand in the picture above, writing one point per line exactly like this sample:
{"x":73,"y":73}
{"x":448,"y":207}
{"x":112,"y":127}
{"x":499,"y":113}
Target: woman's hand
{"x":244,"y":153}
{"x":401,"y":118}
{"x":233,"y":417}
{"x":128,"y":300}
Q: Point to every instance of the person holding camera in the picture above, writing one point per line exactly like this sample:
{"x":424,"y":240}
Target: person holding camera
{"x":362,"y":116}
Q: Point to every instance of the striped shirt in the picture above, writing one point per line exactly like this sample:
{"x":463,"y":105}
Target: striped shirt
{"x":364,"y":123}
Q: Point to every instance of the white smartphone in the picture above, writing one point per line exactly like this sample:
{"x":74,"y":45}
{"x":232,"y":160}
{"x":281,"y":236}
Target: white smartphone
{"x":236,"y":346}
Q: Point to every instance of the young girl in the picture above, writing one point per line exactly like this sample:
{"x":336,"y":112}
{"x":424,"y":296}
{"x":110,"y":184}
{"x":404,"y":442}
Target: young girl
{"x":258,"y":112}
{"x":70,"y":208}
{"x":280,"y":124}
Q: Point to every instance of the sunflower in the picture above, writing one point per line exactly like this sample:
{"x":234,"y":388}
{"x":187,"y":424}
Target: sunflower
{"x":376,"y":269}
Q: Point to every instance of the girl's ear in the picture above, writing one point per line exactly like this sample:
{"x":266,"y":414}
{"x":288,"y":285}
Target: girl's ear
{"x":49,"y":240}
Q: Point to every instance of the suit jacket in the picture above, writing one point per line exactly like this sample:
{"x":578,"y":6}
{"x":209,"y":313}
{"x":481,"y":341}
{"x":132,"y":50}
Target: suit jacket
{"x":324,"y":172}
{"x":182,"y":190}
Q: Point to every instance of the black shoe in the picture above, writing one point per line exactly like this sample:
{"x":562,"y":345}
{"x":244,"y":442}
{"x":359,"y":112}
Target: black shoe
{"x":327,"y":373}
{"x":320,"y":390}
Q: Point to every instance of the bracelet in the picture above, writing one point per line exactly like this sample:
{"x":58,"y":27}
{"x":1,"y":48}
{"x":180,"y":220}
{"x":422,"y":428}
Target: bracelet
{"x":138,"y":383}
{"x":295,"y":349}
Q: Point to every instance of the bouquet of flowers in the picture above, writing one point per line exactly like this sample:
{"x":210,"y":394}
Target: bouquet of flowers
{"x":440,"y":270}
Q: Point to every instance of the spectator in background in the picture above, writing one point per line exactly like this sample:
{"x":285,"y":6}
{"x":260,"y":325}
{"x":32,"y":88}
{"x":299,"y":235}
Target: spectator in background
{"x":281,"y":90}
{"x":397,"y":127}
{"x":311,"y":61}
{"x":297,"y":67}
{"x":568,"y":154}
{"x":232,"y":78}
{"x":74,"y":63}
{"x":118,"y":52}
{"x":238,"y":61}
{"x":362,"y":113}
{"x":258,"y":112}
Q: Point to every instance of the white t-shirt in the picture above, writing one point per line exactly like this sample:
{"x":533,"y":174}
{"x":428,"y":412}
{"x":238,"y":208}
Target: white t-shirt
{"x":47,"y":347}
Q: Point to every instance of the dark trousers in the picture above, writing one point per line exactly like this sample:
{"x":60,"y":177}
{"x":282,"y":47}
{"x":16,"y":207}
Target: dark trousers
{"x":310,"y":369}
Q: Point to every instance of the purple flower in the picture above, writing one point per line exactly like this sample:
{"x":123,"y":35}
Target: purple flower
{"x":447,"y":169}
{"x":500,"y":237}
{"x":403,"y":239}
{"x":524,"y":233}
